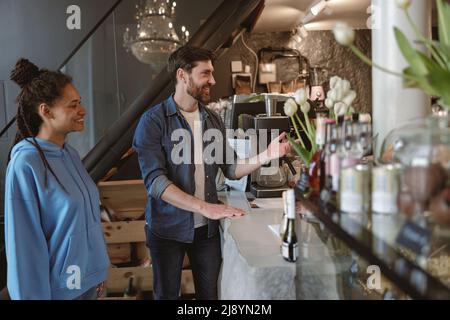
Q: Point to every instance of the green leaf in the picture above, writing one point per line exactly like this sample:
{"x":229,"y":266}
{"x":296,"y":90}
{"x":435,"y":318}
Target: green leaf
{"x":443,"y":50}
{"x":427,"y":62}
{"x":440,"y":80}
{"x":443,"y":10}
{"x":417,"y":81}
{"x":301,"y":152}
{"x":410,"y":54}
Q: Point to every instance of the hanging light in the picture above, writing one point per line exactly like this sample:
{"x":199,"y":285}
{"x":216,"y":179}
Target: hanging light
{"x":155,"y":36}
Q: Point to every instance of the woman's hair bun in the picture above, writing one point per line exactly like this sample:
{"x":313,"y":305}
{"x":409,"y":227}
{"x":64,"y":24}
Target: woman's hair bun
{"x":24,"y":72}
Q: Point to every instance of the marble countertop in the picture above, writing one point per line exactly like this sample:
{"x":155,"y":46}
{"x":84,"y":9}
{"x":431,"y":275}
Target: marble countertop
{"x":256,"y":242}
{"x":253,"y":267}
{"x":252,"y":264}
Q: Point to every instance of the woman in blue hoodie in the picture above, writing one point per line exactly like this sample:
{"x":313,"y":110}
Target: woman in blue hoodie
{"x":54,"y":241}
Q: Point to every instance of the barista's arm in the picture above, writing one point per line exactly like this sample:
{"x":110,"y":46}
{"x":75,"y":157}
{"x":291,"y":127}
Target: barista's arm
{"x":276,"y":149}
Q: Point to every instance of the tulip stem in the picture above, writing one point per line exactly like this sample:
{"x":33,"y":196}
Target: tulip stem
{"x":365,"y":59}
{"x":310,"y":130}
{"x":298,"y":134}
{"x":425,"y":41}
{"x":303,"y":127}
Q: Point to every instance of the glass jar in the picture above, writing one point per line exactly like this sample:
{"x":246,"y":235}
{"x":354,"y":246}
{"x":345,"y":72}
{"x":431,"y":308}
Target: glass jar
{"x":423,"y":149}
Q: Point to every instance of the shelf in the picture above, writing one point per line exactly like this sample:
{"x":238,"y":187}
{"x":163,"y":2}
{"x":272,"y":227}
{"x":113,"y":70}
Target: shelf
{"x":406,"y":272}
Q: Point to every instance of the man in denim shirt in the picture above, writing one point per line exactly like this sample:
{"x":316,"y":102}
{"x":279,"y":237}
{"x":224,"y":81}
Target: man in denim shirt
{"x":182,"y":211}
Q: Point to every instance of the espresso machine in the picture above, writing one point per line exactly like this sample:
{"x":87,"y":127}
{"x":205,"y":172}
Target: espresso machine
{"x":317,"y":78}
{"x":270,"y":180}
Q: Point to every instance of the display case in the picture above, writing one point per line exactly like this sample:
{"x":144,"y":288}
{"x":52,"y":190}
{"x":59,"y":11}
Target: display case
{"x":372,"y":256}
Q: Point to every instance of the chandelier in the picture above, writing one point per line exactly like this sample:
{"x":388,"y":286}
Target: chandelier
{"x":155,"y":37}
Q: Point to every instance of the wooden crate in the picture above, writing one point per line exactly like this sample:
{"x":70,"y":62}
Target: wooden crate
{"x":124,"y":231}
{"x":118,"y":279}
{"x":126,"y":199}
{"x":143,"y":280}
{"x":119,"y":252}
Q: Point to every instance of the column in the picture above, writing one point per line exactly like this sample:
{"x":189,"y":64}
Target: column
{"x":393,"y":105}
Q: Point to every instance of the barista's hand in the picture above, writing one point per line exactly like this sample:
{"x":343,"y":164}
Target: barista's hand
{"x":278,"y":148}
{"x":219,"y":211}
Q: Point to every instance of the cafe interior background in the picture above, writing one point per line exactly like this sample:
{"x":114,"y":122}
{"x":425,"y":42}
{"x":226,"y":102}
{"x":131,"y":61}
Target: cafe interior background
{"x":277,"y":46}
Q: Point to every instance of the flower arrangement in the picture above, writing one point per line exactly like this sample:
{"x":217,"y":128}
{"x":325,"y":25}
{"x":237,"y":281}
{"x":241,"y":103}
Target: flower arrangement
{"x":340,"y":97}
{"x":290,"y":109}
{"x":429,"y":72}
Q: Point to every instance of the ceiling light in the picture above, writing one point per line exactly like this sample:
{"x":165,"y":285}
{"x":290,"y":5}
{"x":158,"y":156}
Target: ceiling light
{"x":155,"y":36}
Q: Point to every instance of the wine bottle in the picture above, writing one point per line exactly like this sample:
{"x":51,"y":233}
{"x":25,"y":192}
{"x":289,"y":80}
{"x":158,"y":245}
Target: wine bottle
{"x":315,"y":169}
{"x":283,"y":222}
{"x":129,"y":291}
{"x":289,"y":246}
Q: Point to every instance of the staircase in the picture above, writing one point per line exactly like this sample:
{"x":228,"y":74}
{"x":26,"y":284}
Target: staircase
{"x":125,"y":198}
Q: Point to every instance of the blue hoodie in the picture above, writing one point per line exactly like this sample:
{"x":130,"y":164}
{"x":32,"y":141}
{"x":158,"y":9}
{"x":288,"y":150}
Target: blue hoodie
{"x":54,"y":240}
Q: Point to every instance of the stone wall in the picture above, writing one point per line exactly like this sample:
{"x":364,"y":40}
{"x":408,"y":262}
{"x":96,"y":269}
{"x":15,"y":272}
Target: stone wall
{"x":319,"y":47}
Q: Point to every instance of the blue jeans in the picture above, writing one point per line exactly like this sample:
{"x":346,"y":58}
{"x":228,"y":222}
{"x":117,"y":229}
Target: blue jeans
{"x":205,"y":257}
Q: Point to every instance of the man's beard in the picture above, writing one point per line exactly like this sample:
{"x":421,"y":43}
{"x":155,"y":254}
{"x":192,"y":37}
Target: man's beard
{"x":198,"y":92}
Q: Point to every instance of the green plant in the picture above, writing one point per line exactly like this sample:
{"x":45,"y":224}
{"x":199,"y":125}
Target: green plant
{"x":428,"y":71}
{"x":299,"y":146}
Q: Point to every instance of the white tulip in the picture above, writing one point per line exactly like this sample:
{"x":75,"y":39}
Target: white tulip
{"x":290,"y":107}
{"x":305,"y":107}
{"x":339,"y":93}
{"x":345,"y":85}
{"x":333,"y":81}
{"x":329,"y":103}
{"x":349,"y":98}
{"x":343,"y":34}
{"x":340,"y":108}
{"x":300,"y":96}
{"x":403,"y":4}
{"x":332,"y":95}
{"x":351,"y":110}
{"x":365,"y":117}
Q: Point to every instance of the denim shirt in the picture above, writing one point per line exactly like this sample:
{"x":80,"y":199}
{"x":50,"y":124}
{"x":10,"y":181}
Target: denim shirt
{"x":154,"y":145}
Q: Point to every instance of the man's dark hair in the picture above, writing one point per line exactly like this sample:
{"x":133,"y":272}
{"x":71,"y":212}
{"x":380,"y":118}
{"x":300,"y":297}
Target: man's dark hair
{"x":186,"y":57}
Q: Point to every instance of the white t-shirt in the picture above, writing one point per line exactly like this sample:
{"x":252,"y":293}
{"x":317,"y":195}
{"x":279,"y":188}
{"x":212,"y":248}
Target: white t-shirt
{"x":193,"y":119}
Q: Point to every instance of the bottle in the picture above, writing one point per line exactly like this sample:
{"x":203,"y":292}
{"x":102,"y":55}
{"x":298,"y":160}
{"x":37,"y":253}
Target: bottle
{"x":129,"y":291}
{"x":283,"y":222}
{"x":315,"y":169}
{"x":350,"y":154}
{"x":332,"y":161}
{"x":325,"y":177}
{"x":365,"y":138}
{"x":289,"y":245}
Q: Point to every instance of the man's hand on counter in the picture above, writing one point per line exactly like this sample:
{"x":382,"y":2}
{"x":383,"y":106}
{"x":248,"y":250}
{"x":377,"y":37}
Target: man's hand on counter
{"x":178,"y":198}
{"x":219,"y":211}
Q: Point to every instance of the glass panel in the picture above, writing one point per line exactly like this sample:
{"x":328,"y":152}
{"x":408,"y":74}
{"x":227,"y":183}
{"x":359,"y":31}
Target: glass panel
{"x":109,"y":78}
{"x":93,"y":69}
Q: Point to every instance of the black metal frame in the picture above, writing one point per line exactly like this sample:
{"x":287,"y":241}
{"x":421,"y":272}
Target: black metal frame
{"x":213,"y":34}
{"x":74,"y":51}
